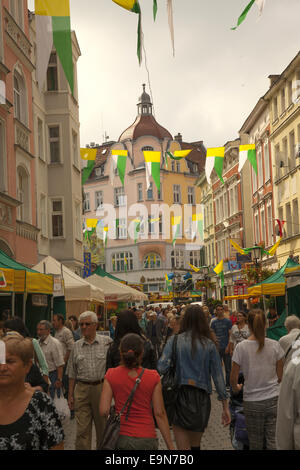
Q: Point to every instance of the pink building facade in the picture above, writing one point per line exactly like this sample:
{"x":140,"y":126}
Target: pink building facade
{"x":18,"y":231}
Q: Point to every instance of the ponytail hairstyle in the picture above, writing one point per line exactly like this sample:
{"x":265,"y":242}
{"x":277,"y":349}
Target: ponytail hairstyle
{"x":257,"y":325}
{"x":131,"y":349}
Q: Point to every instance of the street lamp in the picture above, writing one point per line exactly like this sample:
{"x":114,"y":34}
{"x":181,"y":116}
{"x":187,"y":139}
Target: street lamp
{"x":256,"y":255}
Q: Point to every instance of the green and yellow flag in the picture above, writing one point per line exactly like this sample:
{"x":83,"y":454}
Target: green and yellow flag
{"x":247,"y":152}
{"x":176,"y":221}
{"x":88,"y":158}
{"x":152,"y":163}
{"x":53,"y":28}
{"x":197,"y":221}
{"x":105,"y":233}
{"x":214,"y":160}
{"x":119,"y":160}
{"x":194,"y":268}
{"x":179,"y":154}
{"x":242,"y":17}
{"x":220,"y":272}
{"x":134,"y":6}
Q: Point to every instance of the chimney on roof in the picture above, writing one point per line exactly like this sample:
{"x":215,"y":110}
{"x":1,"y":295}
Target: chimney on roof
{"x":273,"y":79}
{"x":178,"y":137}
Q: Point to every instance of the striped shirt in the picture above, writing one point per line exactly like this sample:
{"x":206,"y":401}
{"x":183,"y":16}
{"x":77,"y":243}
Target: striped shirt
{"x":87,"y":361}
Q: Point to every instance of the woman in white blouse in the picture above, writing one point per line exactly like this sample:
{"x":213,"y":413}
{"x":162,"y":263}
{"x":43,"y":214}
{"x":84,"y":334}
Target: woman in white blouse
{"x":239,"y":331}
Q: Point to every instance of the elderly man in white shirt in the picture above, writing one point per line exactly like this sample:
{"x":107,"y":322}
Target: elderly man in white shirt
{"x":292,"y":324}
{"x":53,"y":352}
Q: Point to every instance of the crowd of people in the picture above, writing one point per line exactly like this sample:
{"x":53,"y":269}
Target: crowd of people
{"x":71,"y":359}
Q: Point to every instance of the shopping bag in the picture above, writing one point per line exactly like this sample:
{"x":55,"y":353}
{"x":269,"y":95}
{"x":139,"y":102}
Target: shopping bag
{"x":62,"y":406}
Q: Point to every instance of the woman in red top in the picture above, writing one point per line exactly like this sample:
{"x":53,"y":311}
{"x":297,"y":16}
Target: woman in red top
{"x":138,"y":432}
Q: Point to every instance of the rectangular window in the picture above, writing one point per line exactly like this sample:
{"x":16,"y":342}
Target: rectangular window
{"x":119,"y":196}
{"x":98,"y":199}
{"x":177,"y":167}
{"x":40,"y":130}
{"x":275,"y":109}
{"x":290,"y":92}
{"x":159,"y":193}
{"x":54,"y":144}
{"x":256,"y":229}
{"x":270,"y":224}
{"x":87,"y":204}
{"x":260,"y":167}
{"x":43,"y":216}
{"x":140,"y":191}
{"x":78,"y":226}
{"x":288,"y":220}
{"x":57,"y":218}
{"x":52,"y":76}
{"x":263,"y":225}
{"x":150,"y":192}
{"x":191,"y":195}
{"x":122,"y":229}
{"x":75,"y":148}
{"x":295,"y":226}
{"x":176,"y":194}
{"x":292,"y":149}
{"x":267,"y":161}
{"x":283,"y":100}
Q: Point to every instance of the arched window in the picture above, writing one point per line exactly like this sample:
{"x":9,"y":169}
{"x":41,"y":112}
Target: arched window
{"x":122,"y":261}
{"x":147,"y":148}
{"x":20,"y":98}
{"x":23,"y":194}
{"x":152,"y":261}
{"x":177,"y":259}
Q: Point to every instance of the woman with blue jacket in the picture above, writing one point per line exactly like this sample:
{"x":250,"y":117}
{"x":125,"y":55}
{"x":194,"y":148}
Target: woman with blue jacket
{"x":197,"y":361}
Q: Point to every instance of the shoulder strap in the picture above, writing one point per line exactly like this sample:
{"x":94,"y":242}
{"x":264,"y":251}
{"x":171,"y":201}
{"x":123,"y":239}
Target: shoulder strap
{"x":130,"y":398}
{"x":174,"y":349}
{"x":287,"y":353}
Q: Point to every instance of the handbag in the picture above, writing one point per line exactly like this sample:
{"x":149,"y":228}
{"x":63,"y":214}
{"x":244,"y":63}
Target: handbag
{"x":170,"y":385}
{"x":113,"y":423}
{"x":61,"y":406}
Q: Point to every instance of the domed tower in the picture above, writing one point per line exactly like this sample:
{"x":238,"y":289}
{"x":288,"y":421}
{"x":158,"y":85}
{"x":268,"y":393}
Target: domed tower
{"x":145,"y":124}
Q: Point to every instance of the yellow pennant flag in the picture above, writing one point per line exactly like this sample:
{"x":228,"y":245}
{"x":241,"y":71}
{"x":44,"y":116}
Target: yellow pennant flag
{"x":219,"y":268}
{"x":194,"y":268}
{"x":274,"y":247}
{"x":237,"y":247}
{"x":91,"y":223}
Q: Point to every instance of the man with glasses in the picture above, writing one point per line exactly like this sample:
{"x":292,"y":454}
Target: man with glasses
{"x":86,"y":369}
{"x":53,"y":352}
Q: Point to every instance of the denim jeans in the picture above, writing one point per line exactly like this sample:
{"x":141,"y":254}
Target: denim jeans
{"x":53,"y":378}
{"x":227,"y":364}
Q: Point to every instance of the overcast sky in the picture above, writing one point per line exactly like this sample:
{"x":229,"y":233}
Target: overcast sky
{"x":206,"y":91}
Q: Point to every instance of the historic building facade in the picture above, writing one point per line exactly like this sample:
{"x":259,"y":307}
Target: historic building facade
{"x":18,"y":224}
{"x":57,"y":162}
{"x":284,"y":98}
{"x":147,"y":259}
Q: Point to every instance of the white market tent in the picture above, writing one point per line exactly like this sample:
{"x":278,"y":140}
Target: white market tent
{"x":115,"y":291}
{"x":79,"y":293}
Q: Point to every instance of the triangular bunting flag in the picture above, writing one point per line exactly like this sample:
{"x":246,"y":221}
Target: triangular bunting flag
{"x":105,"y":234}
{"x":119,"y":160}
{"x":214,"y":160}
{"x":272,"y":250}
{"x":176,"y":221}
{"x":179,"y":154}
{"x":134,"y":6}
{"x":247,"y":152}
{"x":88,"y":157}
{"x":220,"y":272}
{"x":194,"y":268}
{"x":53,"y":27}
{"x":152,"y":163}
{"x":154,"y":9}
{"x":242,"y":17}
{"x":197,"y":220}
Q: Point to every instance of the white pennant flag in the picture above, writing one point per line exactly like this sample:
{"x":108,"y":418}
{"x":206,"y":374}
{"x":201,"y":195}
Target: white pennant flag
{"x":171,"y":23}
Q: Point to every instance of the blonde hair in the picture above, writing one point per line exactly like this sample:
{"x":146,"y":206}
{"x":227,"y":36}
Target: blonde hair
{"x":257,"y":325}
{"x":19,"y":346}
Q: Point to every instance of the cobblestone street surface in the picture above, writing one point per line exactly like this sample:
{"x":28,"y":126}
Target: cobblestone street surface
{"x":216,"y":437}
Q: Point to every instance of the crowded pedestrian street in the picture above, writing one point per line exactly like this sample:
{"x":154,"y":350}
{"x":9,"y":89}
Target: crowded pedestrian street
{"x":150,"y":228}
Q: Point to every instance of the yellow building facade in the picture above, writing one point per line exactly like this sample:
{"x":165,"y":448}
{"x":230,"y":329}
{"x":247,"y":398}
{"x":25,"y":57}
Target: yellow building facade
{"x":284,"y":106}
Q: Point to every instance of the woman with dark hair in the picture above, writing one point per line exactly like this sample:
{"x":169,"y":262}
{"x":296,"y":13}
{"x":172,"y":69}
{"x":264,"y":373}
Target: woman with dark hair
{"x":39,"y":372}
{"x":127,"y":322}
{"x":137,"y":432}
{"x":261,"y":360}
{"x":197,"y":361}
